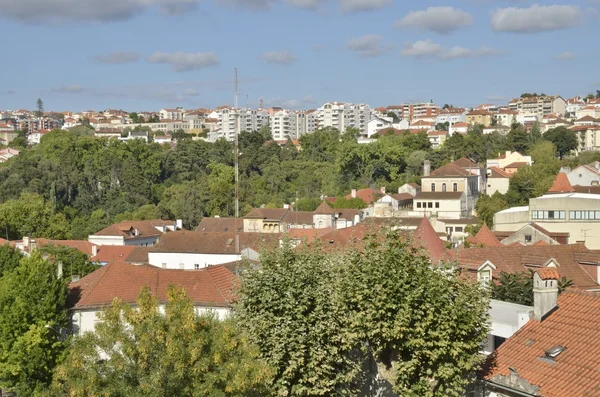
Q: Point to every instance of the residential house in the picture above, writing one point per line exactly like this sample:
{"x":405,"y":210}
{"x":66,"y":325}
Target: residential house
{"x":458,"y":128}
{"x":422,"y":125}
{"x":403,"y":200}
{"x":584,"y":175}
{"x":452,"y":116}
{"x":574,"y":105}
{"x":448,"y":192}
{"x":509,"y":158}
{"x":555,"y":353}
{"x":6,"y":137}
{"x":479,"y":117}
{"x":588,"y":111}
{"x":209,"y":289}
{"x":142,"y":233}
{"x":106,"y":254}
{"x":532,"y":234}
{"x":33,"y":138}
{"x":218,"y":224}
{"x":8,"y":153}
{"x":437,"y":138}
{"x":497,"y":181}
{"x":506,"y":117}
{"x":562,"y":209}
{"x":369,"y":196}
{"x":185,"y":250}
{"x":28,"y":245}
{"x":171,"y":114}
{"x":554,"y":123}
{"x":378,"y":123}
{"x":473,"y":168}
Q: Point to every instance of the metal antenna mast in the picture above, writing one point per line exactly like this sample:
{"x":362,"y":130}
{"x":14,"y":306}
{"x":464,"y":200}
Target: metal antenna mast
{"x":237,"y":164}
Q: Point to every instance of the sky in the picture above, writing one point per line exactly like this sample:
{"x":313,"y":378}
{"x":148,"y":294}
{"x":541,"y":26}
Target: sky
{"x":142,"y":55}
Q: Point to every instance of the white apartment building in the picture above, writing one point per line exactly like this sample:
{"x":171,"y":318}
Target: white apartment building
{"x":344,"y":115}
{"x":283,"y":125}
{"x":306,"y":122}
{"x":539,"y":106}
{"x":253,"y":119}
{"x":171,"y":114}
{"x":452,"y":116}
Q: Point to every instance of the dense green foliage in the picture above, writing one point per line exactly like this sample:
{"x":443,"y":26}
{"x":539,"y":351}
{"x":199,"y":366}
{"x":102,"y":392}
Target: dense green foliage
{"x":31,"y":297}
{"x":143,"y":352}
{"x":317,"y":316}
{"x":518,"y":287}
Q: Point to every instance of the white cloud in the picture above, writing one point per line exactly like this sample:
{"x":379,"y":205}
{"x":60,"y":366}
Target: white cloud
{"x":436,"y":19}
{"x":367,"y":46}
{"x":117,"y":57}
{"x":68,"y":89}
{"x":565,"y":56}
{"x":302,"y":103}
{"x":63,"y":11}
{"x":363,"y":5}
{"x":185,"y":62}
{"x":279,"y":57}
{"x":429,"y":49}
{"x":536,"y":18}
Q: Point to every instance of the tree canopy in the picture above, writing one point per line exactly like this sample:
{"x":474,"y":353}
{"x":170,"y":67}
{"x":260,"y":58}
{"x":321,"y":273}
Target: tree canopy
{"x":143,"y":352}
{"x":317,"y":316}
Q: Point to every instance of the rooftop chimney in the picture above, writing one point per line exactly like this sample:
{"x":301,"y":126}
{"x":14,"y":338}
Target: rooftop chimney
{"x":59,"y":273}
{"x":94,"y":250}
{"x":383,"y":189}
{"x":545,"y":292}
{"x":353,"y":193}
{"x":426,"y":168}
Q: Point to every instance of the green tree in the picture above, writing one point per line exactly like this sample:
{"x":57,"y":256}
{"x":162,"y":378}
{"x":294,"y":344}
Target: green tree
{"x":143,"y":352}
{"x":222,"y":189}
{"x":135,"y":119}
{"x":411,"y":315}
{"x":518,"y":287}
{"x":31,"y":297}
{"x":487,"y":206}
{"x":308,"y":204}
{"x":564,"y":139}
{"x":351,"y":203}
{"x":31,"y":216}
{"x":40,"y":107}
{"x":9,"y":259}
{"x":74,"y":262}
{"x":517,"y":139}
{"x":288,"y":310}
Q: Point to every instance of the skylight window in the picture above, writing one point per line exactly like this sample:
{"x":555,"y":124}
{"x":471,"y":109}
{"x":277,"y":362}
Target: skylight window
{"x":554,"y":351}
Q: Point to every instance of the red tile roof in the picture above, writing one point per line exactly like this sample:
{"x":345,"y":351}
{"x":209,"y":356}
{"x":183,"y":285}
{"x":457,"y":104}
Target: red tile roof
{"x":367,"y":195}
{"x":220,"y":225}
{"x":211,"y":286}
{"x":517,"y":164}
{"x":575,"y":371}
{"x":548,"y":273}
{"x":213,"y":242}
{"x":486,"y":238}
{"x":464,"y":162}
{"x":113,"y":253}
{"x":325,"y":209}
{"x":573,"y":260}
{"x":81,"y":245}
{"x":561,"y":184}
{"x":126,"y":228}
{"x":498,"y":173}
{"x":426,"y":237}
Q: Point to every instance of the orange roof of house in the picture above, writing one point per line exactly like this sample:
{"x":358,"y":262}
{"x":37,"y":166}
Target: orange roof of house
{"x":426,"y":237}
{"x":459,"y":125}
{"x":113,"y":253}
{"x":486,"y":238}
{"x":498,"y":173}
{"x":367,"y":195}
{"x":574,"y":372}
{"x":81,"y":245}
{"x":211,"y":286}
{"x":464,"y":162}
{"x":324,"y":208}
{"x":450,"y":170}
{"x":561,"y":184}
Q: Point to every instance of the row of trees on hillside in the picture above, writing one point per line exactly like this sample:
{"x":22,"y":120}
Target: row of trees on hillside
{"x":73,"y":184}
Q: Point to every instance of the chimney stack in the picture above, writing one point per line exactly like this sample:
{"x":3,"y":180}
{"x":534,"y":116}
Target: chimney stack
{"x":545,"y":292}
{"x":59,"y":273}
{"x":383,"y":189}
{"x":353,"y":193}
{"x":426,"y":168}
{"x":94,"y":250}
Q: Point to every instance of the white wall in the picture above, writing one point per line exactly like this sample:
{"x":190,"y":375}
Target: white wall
{"x":189,"y":260}
{"x":497,"y":185}
{"x":106,"y":240}
{"x":85,"y":320}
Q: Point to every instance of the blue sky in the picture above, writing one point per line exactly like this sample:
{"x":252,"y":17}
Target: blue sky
{"x":147,"y":54}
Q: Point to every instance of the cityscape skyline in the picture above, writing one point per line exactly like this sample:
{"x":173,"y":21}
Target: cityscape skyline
{"x":142,"y":55}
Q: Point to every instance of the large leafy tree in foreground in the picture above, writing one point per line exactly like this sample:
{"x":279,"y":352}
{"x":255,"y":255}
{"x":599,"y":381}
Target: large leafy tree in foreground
{"x":317,"y":316}
{"x":143,"y":352}
{"x":31,"y":298}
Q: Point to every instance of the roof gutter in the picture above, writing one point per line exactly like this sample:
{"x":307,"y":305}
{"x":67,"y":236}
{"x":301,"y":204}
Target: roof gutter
{"x":508,"y":389}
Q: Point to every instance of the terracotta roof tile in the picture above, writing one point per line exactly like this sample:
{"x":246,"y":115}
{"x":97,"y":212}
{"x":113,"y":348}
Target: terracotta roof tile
{"x":450,"y":170}
{"x":126,"y":229}
{"x":548,"y":274}
{"x":574,"y":372}
{"x":465,"y":163}
{"x":212,"y":242}
{"x":486,"y":238}
{"x":426,"y":237}
{"x":367,"y":195}
{"x":81,"y":245}
{"x":325,"y":209}
{"x":210,"y":286}
{"x":518,"y":164}
{"x":561,"y":184}
{"x":220,"y":225}
{"x":572,"y":260}
{"x":112,"y":253}
{"x":498,"y":173}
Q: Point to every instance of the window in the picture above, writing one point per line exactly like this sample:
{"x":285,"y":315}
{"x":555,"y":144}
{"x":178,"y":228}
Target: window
{"x":485,"y":276}
{"x":181,"y":266}
{"x":164,"y":265}
{"x":196,"y":266}
{"x":584,"y":215}
{"x":443,"y":187}
{"x":528,"y":238}
{"x":437,"y":204}
{"x":458,"y":229}
{"x":418,"y":204}
{"x":455,"y":187}
{"x":430,"y":205}
{"x":433,"y":187}
{"x":550,"y":215}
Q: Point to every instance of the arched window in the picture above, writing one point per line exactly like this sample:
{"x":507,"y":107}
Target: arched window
{"x":443,"y":187}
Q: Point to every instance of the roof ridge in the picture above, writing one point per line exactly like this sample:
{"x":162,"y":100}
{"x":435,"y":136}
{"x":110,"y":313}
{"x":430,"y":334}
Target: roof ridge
{"x":214,"y":282}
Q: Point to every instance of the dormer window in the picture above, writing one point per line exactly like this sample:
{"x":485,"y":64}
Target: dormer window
{"x":485,"y":273}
